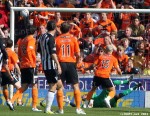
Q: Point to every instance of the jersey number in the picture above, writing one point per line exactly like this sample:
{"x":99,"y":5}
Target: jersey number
{"x":105,"y":63}
{"x":65,"y":50}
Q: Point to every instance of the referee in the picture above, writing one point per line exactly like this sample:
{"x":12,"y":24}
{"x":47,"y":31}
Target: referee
{"x":50,"y":64}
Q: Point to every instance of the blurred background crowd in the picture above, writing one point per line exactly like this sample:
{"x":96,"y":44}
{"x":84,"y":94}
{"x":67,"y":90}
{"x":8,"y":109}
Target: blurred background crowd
{"x":128,"y":33}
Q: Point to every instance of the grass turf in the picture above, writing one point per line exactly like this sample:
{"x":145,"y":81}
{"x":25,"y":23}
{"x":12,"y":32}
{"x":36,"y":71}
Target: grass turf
{"x":70,"y":111}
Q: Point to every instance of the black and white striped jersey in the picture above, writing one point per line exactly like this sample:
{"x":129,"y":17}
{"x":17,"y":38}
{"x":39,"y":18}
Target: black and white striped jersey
{"x":46,"y":47}
{"x":3,"y":53}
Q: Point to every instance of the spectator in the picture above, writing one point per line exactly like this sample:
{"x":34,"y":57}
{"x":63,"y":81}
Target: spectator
{"x":75,"y":30}
{"x":51,"y":15}
{"x":147,"y":33}
{"x":121,"y":57}
{"x":107,"y":41}
{"x":130,"y":69}
{"x":66,"y":4}
{"x":3,"y":20}
{"x":141,"y":46}
{"x":114,"y":39}
{"x":86,"y":24}
{"x":57,"y":2}
{"x":107,"y":4}
{"x":76,"y":17}
{"x":78,"y":3}
{"x":40,"y":18}
{"x":90,"y":3}
{"x":146,"y":4}
{"x":126,"y":17}
{"x":103,"y":25}
{"x":132,"y":39}
{"x":137,"y":29}
{"x":27,"y":3}
{"x":58,"y":21}
{"x":128,"y":50}
{"x":4,"y":32}
{"x":138,"y":59}
{"x":146,"y":70}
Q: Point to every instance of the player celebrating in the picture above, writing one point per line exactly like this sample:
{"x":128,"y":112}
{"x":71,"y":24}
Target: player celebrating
{"x":68,"y":52}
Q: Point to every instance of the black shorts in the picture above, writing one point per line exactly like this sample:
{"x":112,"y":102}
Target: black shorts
{"x":27,"y":75}
{"x":51,"y":75}
{"x":69,"y":73}
{"x":104,"y":82}
{"x":6,"y":79}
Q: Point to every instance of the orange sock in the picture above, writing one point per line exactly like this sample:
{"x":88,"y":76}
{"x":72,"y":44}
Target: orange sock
{"x":89,"y":95}
{"x":17,"y":94}
{"x":77,"y":97}
{"x":60,"y":99}
{"x":34,"y":97}
{"x":112,"y":94}
{"x":20,"y":98}
{"x":6,"y":94}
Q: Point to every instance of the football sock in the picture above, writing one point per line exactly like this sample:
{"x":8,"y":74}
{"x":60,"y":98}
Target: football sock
{"x":11,"y":91}
{"x":89,"y":95}
{"x":16,"y":95}
{"x":20,"y":98}
{"x":77,"y":97}
{"x":34,"y":97}
{"x":60,"y":99}
{"x":49,"y":100}
{"x":6,"y":94}
{"x":111,"y":94}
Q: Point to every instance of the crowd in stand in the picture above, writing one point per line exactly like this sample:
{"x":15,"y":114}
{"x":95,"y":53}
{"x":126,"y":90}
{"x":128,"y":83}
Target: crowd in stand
{"x":128,"y":33}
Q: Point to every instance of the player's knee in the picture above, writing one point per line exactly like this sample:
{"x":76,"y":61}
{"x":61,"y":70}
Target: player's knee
{"x":59,"y":87}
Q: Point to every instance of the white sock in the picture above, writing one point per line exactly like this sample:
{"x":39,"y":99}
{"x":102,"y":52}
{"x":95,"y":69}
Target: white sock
{"x":108,"y":97}
{"x":49,"y":100}
{"x":11,"y":91}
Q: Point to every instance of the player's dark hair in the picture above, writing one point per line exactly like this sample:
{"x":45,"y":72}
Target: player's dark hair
{"x":65,"y":27}
{"x":9,"y":43}
{"x":51,"y":25}
{"x":31,"y":30}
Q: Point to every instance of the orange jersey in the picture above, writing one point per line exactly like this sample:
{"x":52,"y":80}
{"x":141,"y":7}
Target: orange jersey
{"x":58,"y":23}
{"x":122,"y":60}
{"x":39,"y":21}
{"x":82,"y":65}
{"x":26,"y":52}
{"x":98,"y":41}
{"x":75,"y":30}
{"x":105,"y":4}
{"x":12,"y":59}
{"x":66,"y":47}
{"x":108,"y":24}
{"x":126,"y":20}
{"x":104,"y":65}
{"x":66,"y":15}
{"x":84,"y":23}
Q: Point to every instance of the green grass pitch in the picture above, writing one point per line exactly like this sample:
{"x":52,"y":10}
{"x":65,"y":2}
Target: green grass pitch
{"x":70,"y":111}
